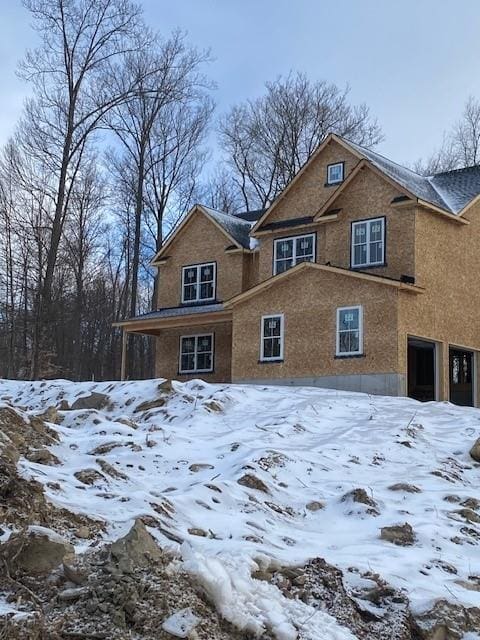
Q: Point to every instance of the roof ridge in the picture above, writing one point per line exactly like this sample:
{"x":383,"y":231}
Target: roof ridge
{"x":381,"y":156}
{"x":383,"y":161}
{"x":225,"y":213}
{"x":443,"y":173}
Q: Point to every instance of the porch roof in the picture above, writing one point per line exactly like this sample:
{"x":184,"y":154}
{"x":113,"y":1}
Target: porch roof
{"x":151,"y":322}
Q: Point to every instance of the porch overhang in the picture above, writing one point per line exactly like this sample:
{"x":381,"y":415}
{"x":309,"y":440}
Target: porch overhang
{"x":153,"y":325}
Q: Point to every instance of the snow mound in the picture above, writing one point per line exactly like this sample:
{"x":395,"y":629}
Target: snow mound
{"x":173,"y":455}
{"x":254,"y":605}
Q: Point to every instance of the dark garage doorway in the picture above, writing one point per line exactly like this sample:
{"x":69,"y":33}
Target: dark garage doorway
{"x":461,"y":377}
{"x":421,"y":369}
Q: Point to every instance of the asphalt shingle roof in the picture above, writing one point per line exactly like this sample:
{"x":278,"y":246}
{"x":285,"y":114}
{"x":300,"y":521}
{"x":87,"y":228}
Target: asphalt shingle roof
{"x":235,"y":226}
{"x":451,"y":190}
{"x":185,"y":310}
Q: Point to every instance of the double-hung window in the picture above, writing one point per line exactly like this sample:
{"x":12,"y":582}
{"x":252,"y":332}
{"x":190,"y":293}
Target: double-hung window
{"x":198,"y":282}
{"x":349,"y":331}
{"x":335,"y":173}
{"x":291,"y":251}
{"x":272,"y":338}
{"x":368,"y":242}
{"x":196,"y":354}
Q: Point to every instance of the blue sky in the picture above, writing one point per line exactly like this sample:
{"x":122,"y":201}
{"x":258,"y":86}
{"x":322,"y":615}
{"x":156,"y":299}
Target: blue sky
{"x":413,"y":62}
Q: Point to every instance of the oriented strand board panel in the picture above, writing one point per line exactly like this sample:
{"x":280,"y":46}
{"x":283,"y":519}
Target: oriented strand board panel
{"x":367,"y":196}
{"x":199,"y":241}
{"x":168,"y":346}
{"x":448,"y":267}
{"x":310,"y":191}
{"x":309,"y":301}
{"x":370,"y":196}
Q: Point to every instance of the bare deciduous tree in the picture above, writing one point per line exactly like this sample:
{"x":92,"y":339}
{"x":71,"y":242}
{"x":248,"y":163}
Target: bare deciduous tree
{"x":81,"y":41}
{"x":267,"y":140}
{"x":460,"y":146}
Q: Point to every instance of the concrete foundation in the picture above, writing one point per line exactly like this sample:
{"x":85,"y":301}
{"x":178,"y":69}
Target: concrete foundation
{"x":385,"y":384}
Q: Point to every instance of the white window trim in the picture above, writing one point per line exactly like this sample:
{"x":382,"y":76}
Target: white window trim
{"x":198,"y":267}
{"x":196,"y":337}
{"x":294,"y":252}
{"x":360,"y":331}
{"x":368,"y":263}
{"x":335,"y":164}
{"x":282,"y":337}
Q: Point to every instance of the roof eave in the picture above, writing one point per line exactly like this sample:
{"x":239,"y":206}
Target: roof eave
{"x":142,"y":326}
{"x":272,"y":281}
{"x":156,"y":261}
{"x":447,"y":214}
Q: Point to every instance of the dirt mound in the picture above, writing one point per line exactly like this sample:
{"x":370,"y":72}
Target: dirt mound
{"x":114,"y":594}
{"x":22,"y":502}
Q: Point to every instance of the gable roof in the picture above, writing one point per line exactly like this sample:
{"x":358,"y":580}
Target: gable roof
{"x":250,"y":216}
{"x":450,"y":190}
{"x":315,"y":266}
{"x":235,"y":227}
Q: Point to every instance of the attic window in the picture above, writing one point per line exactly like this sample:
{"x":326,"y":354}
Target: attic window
{"x":335,"y":173}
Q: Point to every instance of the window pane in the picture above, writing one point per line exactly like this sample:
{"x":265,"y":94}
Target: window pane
{"x":304,"y":248}
{"x":349,"y":342}
{"x":188,"y":345}
{"x":360,"y":233}
{"x":354,"y":340}
{"x":271,"y":348}
{"x":204,"y":361}
{"x":359,"y":254}
{"x":190,"y":292}
{"x":271,"y":326}
{"x":204,"y":344}
{"x":283,"y":265}
{"x":344,"y":342}
{"x":376,"y":230}
{"x":376,"y":252}
{"x":206,"y":290}
{"x":275,"y":347}
{"x":267,"y":348}
{"x":190,"y":275}
{"x":188,"y":362}
{"x":206,"y":273}
{"x":284,"y":249}
{"x":348,"y":319}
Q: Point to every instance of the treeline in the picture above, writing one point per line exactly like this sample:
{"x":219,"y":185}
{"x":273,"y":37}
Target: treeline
{"x":118,"y":139}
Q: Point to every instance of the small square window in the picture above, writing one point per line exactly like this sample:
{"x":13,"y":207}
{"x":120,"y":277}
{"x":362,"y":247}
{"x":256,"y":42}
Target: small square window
{"x":335,"y":173}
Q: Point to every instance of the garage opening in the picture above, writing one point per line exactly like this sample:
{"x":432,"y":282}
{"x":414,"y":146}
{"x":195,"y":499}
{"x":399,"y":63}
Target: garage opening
{"x":421,"y":369}
{"x":461,"y":377}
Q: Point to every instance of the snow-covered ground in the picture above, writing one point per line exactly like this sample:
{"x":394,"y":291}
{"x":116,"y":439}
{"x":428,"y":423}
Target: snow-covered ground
{"x":181,"y":463}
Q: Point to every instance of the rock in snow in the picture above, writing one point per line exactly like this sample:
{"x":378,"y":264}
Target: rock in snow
{"x":37,"y":550}
{"x":137,"y":548}
{"x":400,"y":534}
{"x":475,"y":451}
